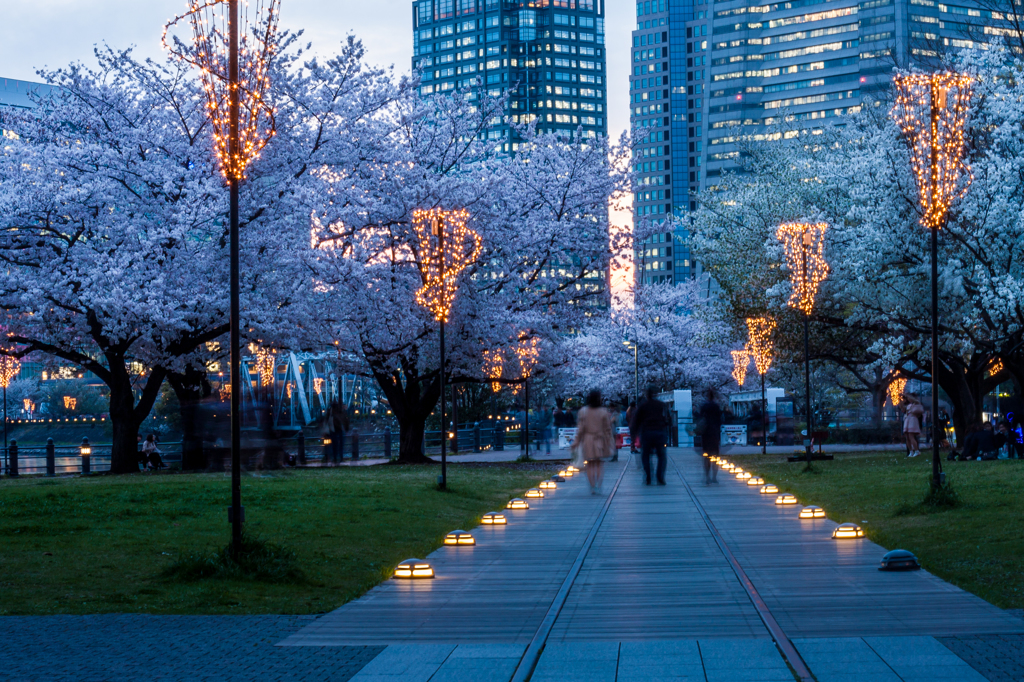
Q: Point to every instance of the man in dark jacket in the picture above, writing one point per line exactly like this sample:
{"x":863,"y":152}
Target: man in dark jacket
{"x":651,"y":423}
{"x":710,"y":419}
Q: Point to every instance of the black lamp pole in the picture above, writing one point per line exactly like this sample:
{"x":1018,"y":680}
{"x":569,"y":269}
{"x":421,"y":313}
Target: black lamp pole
{"x":526,"y":419}
{"x":235,"y":337}
{"x":439,"y":225}
{"x":936,"y":465}
{"x":764,"y":419}
{"x":807,"y":361}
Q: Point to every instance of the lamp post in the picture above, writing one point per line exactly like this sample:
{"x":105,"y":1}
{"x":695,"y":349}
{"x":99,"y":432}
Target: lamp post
{"x":759,"y":345}
{"x":9,"y":368}
{"x":804,"y":245}
{"x":238,"y":143}
{"x":447,"y":247}
{"x":527,"y":352}
{"x":931,"y":110}
{"x":635,"y":347}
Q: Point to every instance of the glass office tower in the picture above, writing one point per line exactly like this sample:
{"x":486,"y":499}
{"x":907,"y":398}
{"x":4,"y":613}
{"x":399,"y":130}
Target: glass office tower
{"x":548,"y":53}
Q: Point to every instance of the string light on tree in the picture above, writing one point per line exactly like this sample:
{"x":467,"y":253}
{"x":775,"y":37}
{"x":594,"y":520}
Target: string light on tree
{"x":759,"y":346}
{"x":896,"y":388}
{"x":70,"y":403}
{"x":446,"y":247}
{"x":760,"y":330}
{"x":931,"y":110}
{"x":740,"y":362}
{"x":995,"y":367}
{"x":210,"y":54}
{"x":264,"y":363}
{"x":494,"y":367}
{"x":527,"y":353}
{"x":9,"y":368}
{"x":800,"y":241}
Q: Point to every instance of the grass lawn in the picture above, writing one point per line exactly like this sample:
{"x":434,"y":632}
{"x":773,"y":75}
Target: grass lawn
{"x":978,"y":546}
{"x":100,"y":544}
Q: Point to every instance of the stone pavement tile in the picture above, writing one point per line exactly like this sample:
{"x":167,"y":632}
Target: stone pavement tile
{"x":660,"y":660}
{"x":480,"y":663}
{"x":919,"y":659}
{"x":747,"y":655}
{"x":577,"y":662}
{"x":406,"y":662}
{"x":169,"y":649}
{"x":999,"y":658}
{"x":750,"y":675}
{"x":843,"y":659}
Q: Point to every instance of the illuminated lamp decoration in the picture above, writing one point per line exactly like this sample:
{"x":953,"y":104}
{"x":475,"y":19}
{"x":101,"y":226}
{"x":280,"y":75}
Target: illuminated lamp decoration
{"x":899,"y":560}
{"x":931,"y":110}
{"x":547,"y":485}
{"x":743,"y":475}
{"x":787,"y":498}
{"x":70,"y":403}
{"x":705,"y":454}
{"x":995,"y":367}
{"x":493,"y":519}
{"x":728,"y":467}
{"x":760,"y":330}
{"x":210,"y":54}
{"x":517,"y":503}
{"x":812,"y":512}
{"x":895,"y":388}
{"x":527,"y":353}
{"x":565,"y":473}
{"x":414,"y":568}
{"x":446,"y":247}
{"x":769,"y":489}
{"x":534,"y":492}
{"x":494,"y":366}
{"x":459,"y":537}
{"x":572,"y":469}
{"x":740,"y":362}
{"x":847,"y":531}
{"x":804,"y":246}
{"x":264,"y":363}
{"x":755,"y":480}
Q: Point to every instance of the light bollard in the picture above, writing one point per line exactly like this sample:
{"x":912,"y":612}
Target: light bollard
{"x":51,"y":458}
{"x":85,"y":450}
{"x":12,"y":454}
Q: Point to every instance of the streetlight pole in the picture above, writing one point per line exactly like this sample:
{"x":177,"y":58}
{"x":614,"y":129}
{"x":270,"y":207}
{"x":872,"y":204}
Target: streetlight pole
{"x":439,"y":227}
{"x":235,"y":320}
{"x":764,"y":419}
{"x":807,"y":357}
{"x":936,"y":465}
{"x":526,"y":419}
{"x":636,"y":372}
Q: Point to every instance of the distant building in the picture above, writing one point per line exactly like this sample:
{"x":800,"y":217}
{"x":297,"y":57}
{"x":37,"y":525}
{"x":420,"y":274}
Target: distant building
{"x":15,"y":93}
{"x":549,"y":53}
{"x":705,"y":74}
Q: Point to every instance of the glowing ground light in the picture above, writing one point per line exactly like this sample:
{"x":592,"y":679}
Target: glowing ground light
{"x":414,"y":568}
{"x":755,"y":480}
{"x":534,"y":492}
{"x":812,"y":512}
{"x":743,"y":476}
{"x":547,"y":485}
{"x":493,"y":519}
{"x":788,"y":498}
{"x":572,"y":469}
{"x":517,"y":503}
{"x":459,"y":537}
{"x":769,"y":489}
{"x":847,"y":531}
{"x":565,"y":473}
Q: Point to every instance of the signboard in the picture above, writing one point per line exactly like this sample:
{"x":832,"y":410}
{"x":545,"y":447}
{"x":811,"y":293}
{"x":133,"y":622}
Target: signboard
{"x":734,"y":434}
{"x":622,"y":437}
{"x":565,"y":438}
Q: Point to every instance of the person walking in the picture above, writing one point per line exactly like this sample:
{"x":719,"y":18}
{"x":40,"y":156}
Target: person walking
{"x":594,"y":438}
{"x":630,"y":413}
{"x":912,"y":423}
{"x":709,"y":419}
{"x":651,"y":423}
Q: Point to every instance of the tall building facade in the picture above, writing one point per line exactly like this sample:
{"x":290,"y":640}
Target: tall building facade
{"x":708,"y":74}
{"x":549,"y":55}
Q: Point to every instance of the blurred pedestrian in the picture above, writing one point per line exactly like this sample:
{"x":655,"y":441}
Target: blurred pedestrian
{"x":630,"y":413}
{"x":594,"y":438}
{"x":709,"y":426}
{"x":651,"y":423}
{"x":912,"y":423}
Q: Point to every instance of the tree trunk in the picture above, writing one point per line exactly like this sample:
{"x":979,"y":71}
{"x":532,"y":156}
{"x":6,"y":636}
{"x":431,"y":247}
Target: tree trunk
{"x":412,"y":398}
{"x":126,"y":415}
{"x":191,"y":388}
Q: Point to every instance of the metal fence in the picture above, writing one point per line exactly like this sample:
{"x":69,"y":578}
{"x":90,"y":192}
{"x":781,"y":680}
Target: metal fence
{"x":55,"y":460}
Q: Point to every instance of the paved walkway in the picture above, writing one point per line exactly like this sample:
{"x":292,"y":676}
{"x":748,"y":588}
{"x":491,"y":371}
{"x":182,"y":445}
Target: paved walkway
{"x":681,"y":582}
{"x":656,"y":595}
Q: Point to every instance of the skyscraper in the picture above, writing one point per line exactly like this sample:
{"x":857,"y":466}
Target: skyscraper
{"x":548,"y":53}
{"x":705,"y":75}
